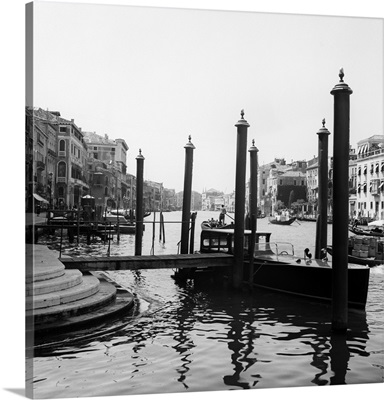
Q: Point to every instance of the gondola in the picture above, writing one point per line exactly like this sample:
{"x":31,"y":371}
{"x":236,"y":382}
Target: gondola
{"x":282,"y":221}
{"x":365,"y":232}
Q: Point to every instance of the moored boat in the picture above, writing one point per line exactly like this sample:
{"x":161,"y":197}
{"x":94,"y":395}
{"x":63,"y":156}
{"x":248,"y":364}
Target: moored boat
{"x":375,"y":232}
{"x":214,"y":224}
{"x":275,"y":266}
{"x":357,"y":259}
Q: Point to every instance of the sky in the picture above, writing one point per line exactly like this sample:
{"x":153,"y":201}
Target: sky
{"x":154,"y":76}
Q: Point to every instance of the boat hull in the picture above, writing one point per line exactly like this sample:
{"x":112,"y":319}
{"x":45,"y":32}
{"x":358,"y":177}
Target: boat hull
{"x":310,"y":281}
{"x":365,"y":232}
{"x":286,"y":222}
{"x":313,"y":281}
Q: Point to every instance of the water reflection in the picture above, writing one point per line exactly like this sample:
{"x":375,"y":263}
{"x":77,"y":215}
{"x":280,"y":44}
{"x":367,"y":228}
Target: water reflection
{"x":249,"y":318}
{"x":201,"y":338}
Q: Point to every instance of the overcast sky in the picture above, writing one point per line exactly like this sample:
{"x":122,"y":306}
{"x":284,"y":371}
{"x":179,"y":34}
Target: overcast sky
{"x":154,"y":76}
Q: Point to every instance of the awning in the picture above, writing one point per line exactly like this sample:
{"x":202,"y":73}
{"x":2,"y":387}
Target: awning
{"x":39,"y":198}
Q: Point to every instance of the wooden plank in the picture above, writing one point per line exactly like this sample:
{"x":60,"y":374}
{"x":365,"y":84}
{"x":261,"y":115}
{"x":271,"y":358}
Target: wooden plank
{"x":147,"y":262}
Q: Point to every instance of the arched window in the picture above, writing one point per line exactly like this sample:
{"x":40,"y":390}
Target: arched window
{"x":62,"y":145}
{"x":61,"y":169}
{"x":61,"y":191}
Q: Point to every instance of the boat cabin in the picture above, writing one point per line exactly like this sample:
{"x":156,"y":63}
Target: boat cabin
{"x":222,"y":240}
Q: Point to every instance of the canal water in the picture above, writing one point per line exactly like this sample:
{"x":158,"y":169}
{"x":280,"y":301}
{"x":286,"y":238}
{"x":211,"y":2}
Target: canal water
{"x":187,"y":338}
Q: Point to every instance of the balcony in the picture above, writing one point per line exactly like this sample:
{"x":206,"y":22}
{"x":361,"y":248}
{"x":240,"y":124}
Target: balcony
{"x":371,"y":153}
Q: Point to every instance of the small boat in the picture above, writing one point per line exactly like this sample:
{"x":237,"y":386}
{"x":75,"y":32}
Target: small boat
{"x":212,"y":224}
{"x":369,"y":261}
{"x":282,"y":220}
{"x":375,"y":232}
{"x":274,"y":266}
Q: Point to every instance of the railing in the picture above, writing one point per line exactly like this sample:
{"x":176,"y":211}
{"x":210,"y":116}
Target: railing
{"x":276,"y":248}
{"x":370,"y":153}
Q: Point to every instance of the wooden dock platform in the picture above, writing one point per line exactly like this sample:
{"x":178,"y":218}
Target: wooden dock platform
{"x":120,"y":263}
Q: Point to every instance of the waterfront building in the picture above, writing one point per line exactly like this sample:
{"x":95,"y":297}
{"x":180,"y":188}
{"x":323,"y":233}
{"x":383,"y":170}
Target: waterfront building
{"x":288,"y":187}
{"x":229,"y":201}
{"x":129,"y":196}
{"x":196,"y":201}
{"x":44,"y":156}
{"x":212,"y":200}
{"x":29,"y":160}
{"x":71,"y":172}
{"x":370,"y":177}
{"x":113,"y":154}
{"x":352,"y":183}
{"x":169,"y":200}
{"x":312,"y":184}
{"x":263,"y":183}
{"x":152,"y":196}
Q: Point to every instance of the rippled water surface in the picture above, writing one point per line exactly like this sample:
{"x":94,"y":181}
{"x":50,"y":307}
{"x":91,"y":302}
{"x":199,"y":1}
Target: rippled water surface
{"x":198,"y":338}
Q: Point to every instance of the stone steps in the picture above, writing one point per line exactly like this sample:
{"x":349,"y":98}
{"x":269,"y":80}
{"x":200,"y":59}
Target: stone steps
{"x":106,"y":294}
{"x":67,"y":280}
{"x":57,"y":298}
{"x":88,"y":286}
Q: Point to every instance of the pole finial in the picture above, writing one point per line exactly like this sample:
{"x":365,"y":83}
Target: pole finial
{"x":341,"y":74}
{"x":139,"y":151}
{"x":323,"y":122}
{"x":242,"y":113}
{"x":189,"y":138}
{"x":253,"y":142}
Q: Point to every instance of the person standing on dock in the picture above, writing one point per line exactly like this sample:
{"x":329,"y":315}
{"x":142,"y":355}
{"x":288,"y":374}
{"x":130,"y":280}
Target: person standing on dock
{"x":222,"y":214}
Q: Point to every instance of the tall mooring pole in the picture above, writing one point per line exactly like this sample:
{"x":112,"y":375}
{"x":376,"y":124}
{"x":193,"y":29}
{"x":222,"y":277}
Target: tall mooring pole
{"x":139,"y":203}
{"x":322,"y":218}
{"x":253,"y":150}
{"x":241,"y":161}
{"x":341,"y":93}
{"x":187,"y":195}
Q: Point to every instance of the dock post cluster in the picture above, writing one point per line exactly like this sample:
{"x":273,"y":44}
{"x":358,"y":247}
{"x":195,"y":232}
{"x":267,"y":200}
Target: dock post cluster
{"x":341,"y":93}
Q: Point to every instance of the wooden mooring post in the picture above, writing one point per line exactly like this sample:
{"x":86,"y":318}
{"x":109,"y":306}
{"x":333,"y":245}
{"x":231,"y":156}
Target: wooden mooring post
{"x":139,"y":203}
{"x":241,"y":160}
{"x":341,"y":93}
{"x":187,"y":195}
{"x":322,"y":218}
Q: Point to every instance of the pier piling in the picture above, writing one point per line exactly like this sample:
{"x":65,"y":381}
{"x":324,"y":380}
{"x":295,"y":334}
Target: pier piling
{"x":341,"y":93}
{"x":241,"y":161}
{"x":139,"y":203}
{"x":253,"y":150}
{"x":322,"y":220}
{"x":187,"y":195}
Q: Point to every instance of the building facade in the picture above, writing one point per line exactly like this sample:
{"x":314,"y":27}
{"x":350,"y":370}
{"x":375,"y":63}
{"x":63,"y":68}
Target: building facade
{"x":370,"y":178}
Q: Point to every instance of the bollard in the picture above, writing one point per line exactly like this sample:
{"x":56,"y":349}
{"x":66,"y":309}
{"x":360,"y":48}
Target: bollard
{"x":253,"y":150}
{"x":241,"y":153}
{"x":341,"y":93}
{"x":322,"y":219}
{"x":187,"y":195}
{"x":139,"y":203}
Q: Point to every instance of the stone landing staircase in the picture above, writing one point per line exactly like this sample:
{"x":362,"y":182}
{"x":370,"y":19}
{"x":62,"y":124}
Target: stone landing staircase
{"x":60,"y":300}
